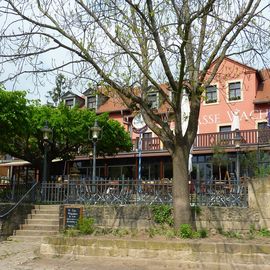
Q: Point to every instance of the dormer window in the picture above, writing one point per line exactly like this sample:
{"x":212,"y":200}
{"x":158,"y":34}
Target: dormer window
{"x":152,"y":100}
{"x":69,"y":102}
{"x":92,"y":102}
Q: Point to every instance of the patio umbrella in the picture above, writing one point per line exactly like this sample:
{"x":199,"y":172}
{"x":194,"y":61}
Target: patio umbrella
{"x":185,"y":111}
{"x":190,"y":160}
{"x":236,"y":121}
{"x":185,"y":107}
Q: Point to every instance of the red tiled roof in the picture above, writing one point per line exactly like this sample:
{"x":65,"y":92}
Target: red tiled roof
{"x":113,"y":104}
{"x":234,"y":62}
{"x":263,"y":92}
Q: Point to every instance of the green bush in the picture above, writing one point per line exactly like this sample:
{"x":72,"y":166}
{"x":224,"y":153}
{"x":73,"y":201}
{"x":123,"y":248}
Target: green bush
{"x":86,"y":225}
{"x":162,"y":214}
{"x":264,"y":232}
{"x":203,"y":233}
{"x":185,"y":231}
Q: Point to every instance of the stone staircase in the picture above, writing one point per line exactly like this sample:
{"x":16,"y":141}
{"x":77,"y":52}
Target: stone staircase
{"x":42,"y":222}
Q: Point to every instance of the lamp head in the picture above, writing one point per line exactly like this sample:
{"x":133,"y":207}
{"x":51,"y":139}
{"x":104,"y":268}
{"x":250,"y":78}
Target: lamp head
{"x":95,"y":131}
{"x":237,"y":138}
{"x":46,"y":131}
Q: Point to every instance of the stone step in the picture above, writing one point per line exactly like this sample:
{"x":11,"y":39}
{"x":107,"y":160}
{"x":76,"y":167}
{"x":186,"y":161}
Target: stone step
{"x":36,"y":232}
{"x":43,"y":216}
{"x":47,"y":206}
{"x":45,"y":211}
{"x":226,"y":258}
{"x":42,"y":221}
{"x":28,"y":238}
{"x":39,"y":227}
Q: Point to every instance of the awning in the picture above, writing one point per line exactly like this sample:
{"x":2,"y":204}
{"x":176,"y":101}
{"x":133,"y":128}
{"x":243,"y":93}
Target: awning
{"x":22,"y":162}
{"x":15,"y":163}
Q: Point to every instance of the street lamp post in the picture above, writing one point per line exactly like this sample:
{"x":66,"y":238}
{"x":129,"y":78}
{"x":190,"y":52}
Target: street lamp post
{"x":46,"y":136}
{"x":237,"y":141}
{"x":94,"y":135}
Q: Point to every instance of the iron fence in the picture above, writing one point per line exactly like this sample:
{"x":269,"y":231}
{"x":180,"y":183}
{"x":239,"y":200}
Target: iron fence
{"x":13,"y":193}
{"x":223,"y":193}
{"x":129,"y":191}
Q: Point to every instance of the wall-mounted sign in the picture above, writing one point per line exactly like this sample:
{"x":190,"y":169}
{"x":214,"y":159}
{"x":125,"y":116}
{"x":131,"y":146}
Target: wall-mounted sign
{"x":139,"y":126}
{"x":72,"y":215}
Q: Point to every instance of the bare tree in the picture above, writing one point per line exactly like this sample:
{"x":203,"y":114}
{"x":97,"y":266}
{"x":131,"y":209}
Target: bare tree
{"x":138,"y":45}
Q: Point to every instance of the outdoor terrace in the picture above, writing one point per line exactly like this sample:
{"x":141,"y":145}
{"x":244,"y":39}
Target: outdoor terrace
{"x":244,"y":138}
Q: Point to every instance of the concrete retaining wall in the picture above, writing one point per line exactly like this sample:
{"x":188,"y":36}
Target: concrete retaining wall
{"x":12,"y":222}
{"x":228,"y":218}
{"x":183,"y":251}
{"x":259,"y":199}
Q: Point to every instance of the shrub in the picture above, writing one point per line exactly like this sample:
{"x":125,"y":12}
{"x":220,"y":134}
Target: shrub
{"x":203,"y":233}
{"x":185,"y":231}
{"x":264,"y":232}
{"x":162,"y":214}
{"x":86,"y":225}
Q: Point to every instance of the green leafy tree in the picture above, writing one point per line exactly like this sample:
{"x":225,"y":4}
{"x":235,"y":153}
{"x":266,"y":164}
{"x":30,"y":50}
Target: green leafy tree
{"x":21,"y":136}
{"x":140,"y":44}
{"x":62,"y":85}
{"x":220,"y":158}
{"x":249,"y":162}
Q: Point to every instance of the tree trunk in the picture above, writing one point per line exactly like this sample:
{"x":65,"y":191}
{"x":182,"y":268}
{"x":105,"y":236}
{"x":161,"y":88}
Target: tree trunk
{"x":181,"y":202}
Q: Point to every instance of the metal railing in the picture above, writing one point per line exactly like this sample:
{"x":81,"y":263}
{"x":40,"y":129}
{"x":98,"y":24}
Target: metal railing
{"x":208,"y":140}
{"x":13,"y":193}
{"x":126,"y":191}
{"x":25,"y":198}
{"x":223,"y":193}
{"x":148,"y":144}
{"x":129,"y":191}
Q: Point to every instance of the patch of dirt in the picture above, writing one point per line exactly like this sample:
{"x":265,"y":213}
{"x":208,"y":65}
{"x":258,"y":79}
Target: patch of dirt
{"x":166,"y":235}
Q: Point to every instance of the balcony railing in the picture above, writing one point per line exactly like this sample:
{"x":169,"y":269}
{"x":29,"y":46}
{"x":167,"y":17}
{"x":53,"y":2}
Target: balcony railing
{"x":253,"y":137}
{"x":148,"y":144}
{"x":228,"y":139}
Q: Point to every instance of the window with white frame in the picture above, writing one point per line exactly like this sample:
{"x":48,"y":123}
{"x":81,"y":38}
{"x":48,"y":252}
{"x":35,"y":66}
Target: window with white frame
{"x":234,"y":91}
{"x":225,"y":128}
{"x":211,"y":94}
{"x":92,"y":102}
{"x":225,"y":132}
{"x":69,"y":102}
{"x":152,"y":99}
